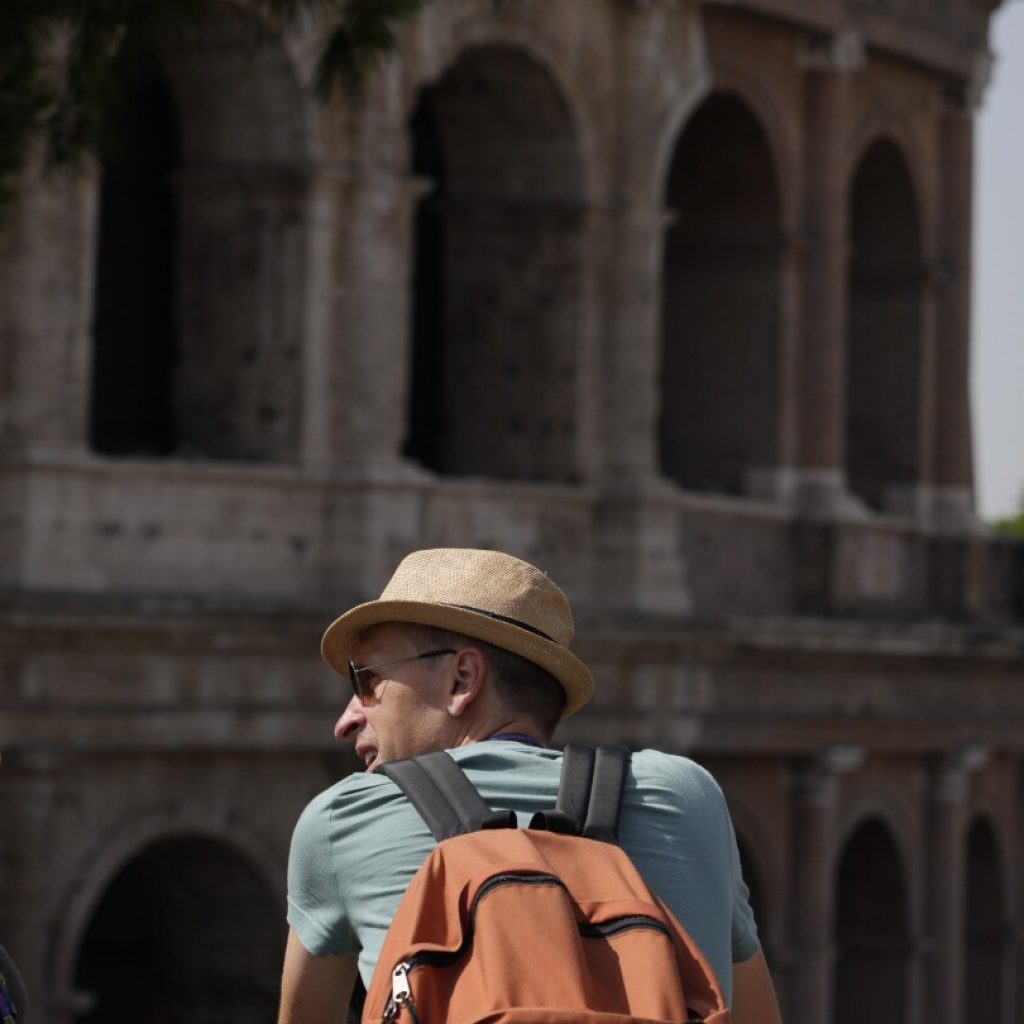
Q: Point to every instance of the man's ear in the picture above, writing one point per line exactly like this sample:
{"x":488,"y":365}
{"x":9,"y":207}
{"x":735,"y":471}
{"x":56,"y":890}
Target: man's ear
{"x":469,"y":670}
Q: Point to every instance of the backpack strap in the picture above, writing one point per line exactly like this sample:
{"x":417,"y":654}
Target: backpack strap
{"x":589,"y":793}
{"x":446,"y":800}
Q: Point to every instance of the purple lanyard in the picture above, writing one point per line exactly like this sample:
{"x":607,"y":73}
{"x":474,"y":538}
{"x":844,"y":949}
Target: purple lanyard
{"x":517,"y":737}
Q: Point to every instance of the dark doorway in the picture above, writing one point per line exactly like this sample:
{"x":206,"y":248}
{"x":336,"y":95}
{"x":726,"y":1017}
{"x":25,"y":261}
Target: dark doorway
{"x":872,"y":934}
{"x":987,"y":932}
{"x":187,"y":933}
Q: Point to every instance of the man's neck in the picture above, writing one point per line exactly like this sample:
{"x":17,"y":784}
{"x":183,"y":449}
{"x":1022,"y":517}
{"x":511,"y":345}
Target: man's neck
{"x":516,"y":726}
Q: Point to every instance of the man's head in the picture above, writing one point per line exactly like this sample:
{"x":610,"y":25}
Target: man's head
{"x":461,"y":644}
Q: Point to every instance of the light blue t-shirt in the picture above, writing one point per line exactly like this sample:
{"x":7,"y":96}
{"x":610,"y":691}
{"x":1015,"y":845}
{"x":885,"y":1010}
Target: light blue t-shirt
{"x":358,"y":844}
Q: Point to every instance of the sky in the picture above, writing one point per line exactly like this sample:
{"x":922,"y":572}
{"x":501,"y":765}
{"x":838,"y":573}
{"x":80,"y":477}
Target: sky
{"x":997,"y":366}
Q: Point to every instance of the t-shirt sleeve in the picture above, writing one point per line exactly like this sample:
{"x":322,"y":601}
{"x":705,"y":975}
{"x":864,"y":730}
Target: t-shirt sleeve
{"x":316,"y":909}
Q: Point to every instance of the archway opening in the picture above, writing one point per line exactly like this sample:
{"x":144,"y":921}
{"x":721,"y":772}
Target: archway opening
{"x":186,"y":932}
{"x":134,"y":349}
{"x":498,"y":273}
{"x":883,"y":361}
{"x":243,"y":197}
{"x":872,"y":932}
{"x":718,"y":422}
{"x":986,"y":933}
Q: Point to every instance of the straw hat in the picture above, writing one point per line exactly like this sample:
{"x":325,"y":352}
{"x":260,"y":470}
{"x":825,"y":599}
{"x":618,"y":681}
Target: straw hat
{"x":486,"y":595}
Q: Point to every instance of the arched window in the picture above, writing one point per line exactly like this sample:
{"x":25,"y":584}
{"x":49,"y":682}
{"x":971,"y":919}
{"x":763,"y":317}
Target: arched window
{"x":719,"y":422}
{"x":497,"y":276}
{"x":872,"y":932}
{"x":186,"y":931}
{"x":883,"y":361}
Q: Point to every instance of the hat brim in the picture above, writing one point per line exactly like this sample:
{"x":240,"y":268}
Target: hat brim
{"x":343,"y":636}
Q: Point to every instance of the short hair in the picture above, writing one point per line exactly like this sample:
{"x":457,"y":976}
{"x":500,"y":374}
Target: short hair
{"x":522,"y":685}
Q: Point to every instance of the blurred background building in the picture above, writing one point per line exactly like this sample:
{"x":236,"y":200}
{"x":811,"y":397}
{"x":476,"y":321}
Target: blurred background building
{"x":669,"y":298}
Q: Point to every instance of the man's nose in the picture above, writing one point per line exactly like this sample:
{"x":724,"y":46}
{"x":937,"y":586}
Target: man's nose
{"x":352,"y":720}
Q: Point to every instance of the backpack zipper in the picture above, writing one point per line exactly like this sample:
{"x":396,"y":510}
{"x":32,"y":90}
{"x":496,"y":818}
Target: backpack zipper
{"x":401,"y":993}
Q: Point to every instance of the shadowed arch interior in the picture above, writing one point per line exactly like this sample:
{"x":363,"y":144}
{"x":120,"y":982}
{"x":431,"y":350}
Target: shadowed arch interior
{"x":872,"y":933}
{"x":201,"y":250}
{"x":718,"y":421}
{"x":134,"y":349}
{"x":883,"y":361}
{"x":187,"y":931}
{"x":497,"y":275}
{"x":987,"y":933}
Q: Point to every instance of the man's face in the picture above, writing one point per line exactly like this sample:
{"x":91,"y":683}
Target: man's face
{"x":407,"y":713}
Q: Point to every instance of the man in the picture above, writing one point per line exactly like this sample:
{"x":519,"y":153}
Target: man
{"x":469,"y":651}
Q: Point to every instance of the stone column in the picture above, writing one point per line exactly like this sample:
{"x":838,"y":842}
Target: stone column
{"x":828,"y":64}
{"x":808,"y":995}
{"x":950,"y":471}
{"x":29,"y":790}
{"x":48,"y":274}
{"x":632,"y":342}
{"x":949,"y":787}
{"x":357,"y":396}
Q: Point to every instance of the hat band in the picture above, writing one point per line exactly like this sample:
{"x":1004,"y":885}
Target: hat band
{"x":505,"y":618}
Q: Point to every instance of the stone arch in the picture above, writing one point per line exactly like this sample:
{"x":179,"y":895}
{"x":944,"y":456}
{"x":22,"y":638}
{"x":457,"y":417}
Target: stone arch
{"x":872,"y":928}
{"x":883,"y":429}
{"x":184,"y":931}
{"x":105,"y":861}
{"x":755,"y":91}
{"x":498,"y":272}
{"x":466,"y":34}
{"x":720,"y":375}
{"x":222,"y":352}
{"x":986,"y":931}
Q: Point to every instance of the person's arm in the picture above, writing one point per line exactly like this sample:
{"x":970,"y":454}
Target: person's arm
{"x":753,"y":994}
{"x":314,"y":989}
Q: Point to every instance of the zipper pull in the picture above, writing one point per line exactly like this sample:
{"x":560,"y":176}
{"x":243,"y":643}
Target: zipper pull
{"x":400,"y":991}
{"x":401,"y":994}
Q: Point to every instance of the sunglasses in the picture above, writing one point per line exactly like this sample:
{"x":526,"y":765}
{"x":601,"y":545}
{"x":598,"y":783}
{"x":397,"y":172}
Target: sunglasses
{"x":363,"y":687}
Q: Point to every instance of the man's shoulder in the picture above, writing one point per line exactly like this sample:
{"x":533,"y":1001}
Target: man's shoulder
{"x":656,"y":764}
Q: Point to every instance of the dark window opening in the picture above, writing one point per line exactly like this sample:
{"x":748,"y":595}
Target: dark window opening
{"x":133,"y":330}
{"x":718,"y":421}
{"x":426,"y":387}
{"x":883,"y":337}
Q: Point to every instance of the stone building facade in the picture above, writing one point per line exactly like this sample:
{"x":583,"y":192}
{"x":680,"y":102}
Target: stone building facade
{"x":670,"y":298}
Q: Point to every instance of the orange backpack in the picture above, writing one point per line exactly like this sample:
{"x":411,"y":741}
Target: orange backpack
{"x":533,"y":925}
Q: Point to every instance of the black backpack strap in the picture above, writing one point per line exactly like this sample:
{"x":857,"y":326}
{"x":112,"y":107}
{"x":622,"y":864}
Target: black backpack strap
{"x":610,"y":766}
{"x":446,"y":800}
{"x":589,"y":793}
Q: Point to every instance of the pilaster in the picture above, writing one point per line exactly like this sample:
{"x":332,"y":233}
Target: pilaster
{"x":815,"y":812}
{"x":948,"y":792}
{"x":47,"y":269}
{"x":828,"y":65}
{"x":950,"y":469}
